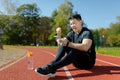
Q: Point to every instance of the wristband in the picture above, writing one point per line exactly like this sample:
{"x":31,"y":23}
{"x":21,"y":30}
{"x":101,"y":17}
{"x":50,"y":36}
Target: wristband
{"x":67,"y":44}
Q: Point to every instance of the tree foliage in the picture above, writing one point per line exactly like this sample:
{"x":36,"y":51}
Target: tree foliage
{"x":110,"y":36}
{"x":113,"y":38}
{"x":28,"y":26}
{"x":96,"y":38}
{"x":60,"y":18}
{"x":28,"y":15}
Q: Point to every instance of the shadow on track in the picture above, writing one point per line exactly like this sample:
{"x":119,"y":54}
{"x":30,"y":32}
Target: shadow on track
{"x":95,"y":71}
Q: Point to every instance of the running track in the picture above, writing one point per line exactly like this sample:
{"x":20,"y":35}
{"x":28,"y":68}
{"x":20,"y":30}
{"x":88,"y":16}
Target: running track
{"x":106,"y":68}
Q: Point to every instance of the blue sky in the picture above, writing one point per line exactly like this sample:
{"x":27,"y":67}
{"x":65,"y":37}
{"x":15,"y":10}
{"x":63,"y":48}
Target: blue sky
{"x":95,"y":13}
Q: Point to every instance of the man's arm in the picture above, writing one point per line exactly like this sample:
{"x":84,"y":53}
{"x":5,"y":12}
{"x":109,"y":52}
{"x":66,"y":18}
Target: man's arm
{"x":84,"y":46}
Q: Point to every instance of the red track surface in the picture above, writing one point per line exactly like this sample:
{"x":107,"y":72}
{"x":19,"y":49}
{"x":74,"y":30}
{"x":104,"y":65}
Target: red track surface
{"x":106,"y":68}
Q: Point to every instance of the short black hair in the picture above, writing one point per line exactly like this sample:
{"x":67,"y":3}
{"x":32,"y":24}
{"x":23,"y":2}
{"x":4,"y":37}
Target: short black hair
{"x":76,"y":16}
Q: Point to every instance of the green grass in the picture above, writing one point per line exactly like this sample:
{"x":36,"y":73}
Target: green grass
{"x":114,"y":51}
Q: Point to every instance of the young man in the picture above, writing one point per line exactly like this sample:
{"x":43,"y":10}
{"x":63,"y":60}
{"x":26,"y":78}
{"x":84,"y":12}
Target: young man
{"x":79,"y":46}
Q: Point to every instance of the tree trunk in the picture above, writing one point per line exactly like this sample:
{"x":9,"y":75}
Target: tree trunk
{"x":1,"y":46}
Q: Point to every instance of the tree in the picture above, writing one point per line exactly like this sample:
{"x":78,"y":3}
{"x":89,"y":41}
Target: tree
{"x":9,"y":6}
{"x":114,"y":34}
{"x":60,"y":18}
{"x":103,"y":35}
{"x":45,"y":30}
{"x":28,"y":16}
{"x":96,"y":37}
{"x":115,"y":29}
{"x":4,"y":21}
{"x":1,"y":33}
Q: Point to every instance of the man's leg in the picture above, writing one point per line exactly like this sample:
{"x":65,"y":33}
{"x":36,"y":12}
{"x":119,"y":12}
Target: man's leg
{"x":83,"y":61}
{"x":67,"y":59}
{"x":52,"y":67}
{"x":60,"y":53}
{"x":46,"y":70}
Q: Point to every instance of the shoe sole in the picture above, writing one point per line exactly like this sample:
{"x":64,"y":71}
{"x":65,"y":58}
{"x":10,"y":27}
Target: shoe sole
{"x":50,"y":75}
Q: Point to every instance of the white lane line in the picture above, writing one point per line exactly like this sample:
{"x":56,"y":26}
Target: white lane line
{"x":108,"y":62}
{"x":68,"y":73}
{"x":65,"y":68}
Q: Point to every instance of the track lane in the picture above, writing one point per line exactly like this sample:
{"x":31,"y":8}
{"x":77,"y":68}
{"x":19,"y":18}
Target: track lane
{"x":101,"y":71}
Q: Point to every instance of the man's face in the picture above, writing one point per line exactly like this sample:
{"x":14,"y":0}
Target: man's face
{"x":76,"y":25}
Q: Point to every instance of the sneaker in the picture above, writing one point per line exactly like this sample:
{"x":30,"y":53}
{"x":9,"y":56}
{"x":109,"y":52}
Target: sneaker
{"x":45,"y":71}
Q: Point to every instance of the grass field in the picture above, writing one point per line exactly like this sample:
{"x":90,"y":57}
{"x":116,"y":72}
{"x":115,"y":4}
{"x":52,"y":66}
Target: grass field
{"x":114,"y":51}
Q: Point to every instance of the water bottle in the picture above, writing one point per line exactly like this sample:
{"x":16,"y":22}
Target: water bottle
{"x":30,"y":61}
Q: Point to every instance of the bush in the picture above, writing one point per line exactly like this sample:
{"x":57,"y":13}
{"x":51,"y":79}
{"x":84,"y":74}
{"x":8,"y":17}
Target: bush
{"x":113,"y":41}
